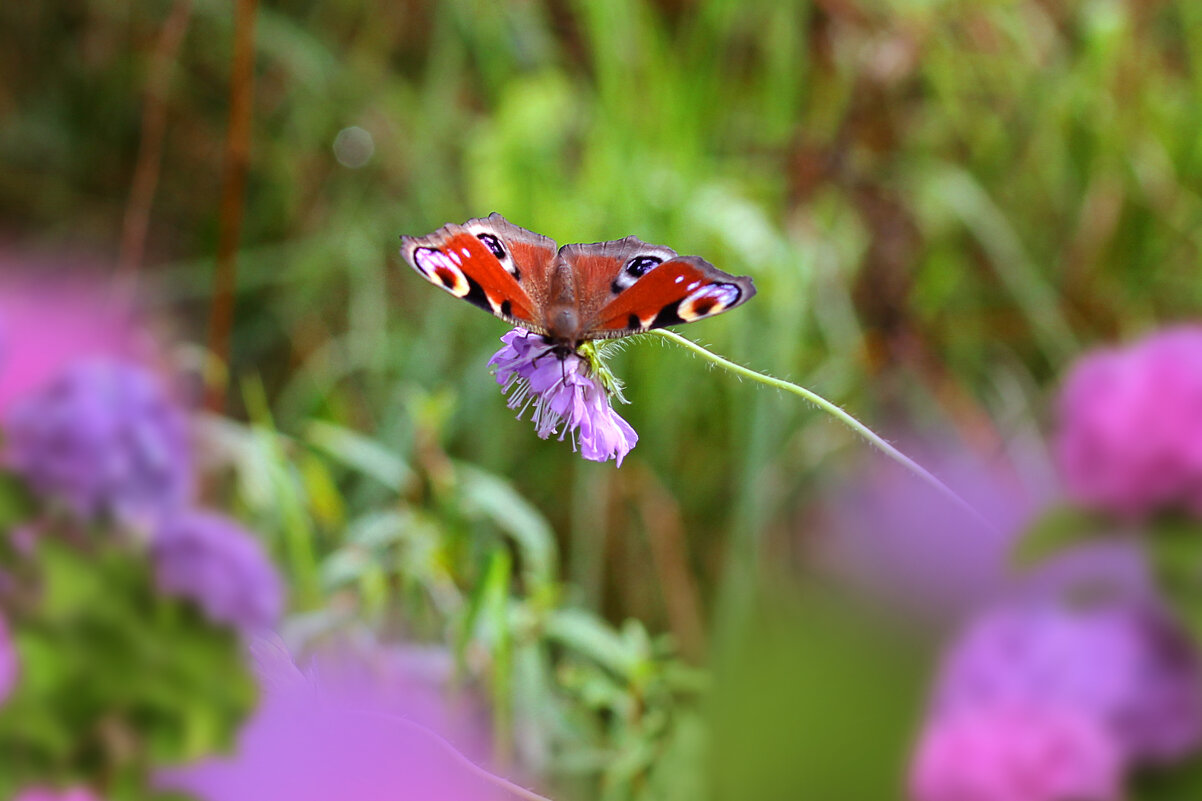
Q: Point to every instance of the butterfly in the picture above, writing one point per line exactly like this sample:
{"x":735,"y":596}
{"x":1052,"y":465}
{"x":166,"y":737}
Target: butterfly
{"x":575,"y":293}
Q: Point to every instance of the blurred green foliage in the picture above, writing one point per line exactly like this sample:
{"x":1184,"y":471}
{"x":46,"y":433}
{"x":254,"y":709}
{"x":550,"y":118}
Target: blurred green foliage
{"x":941,"y":202}
{"x":114,"y":680}
{"x":458,"y":555}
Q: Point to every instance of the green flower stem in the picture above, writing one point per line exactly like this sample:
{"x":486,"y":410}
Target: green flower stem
{"x":830,"y":408}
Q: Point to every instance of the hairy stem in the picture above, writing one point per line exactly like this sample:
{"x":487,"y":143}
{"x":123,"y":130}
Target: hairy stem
{"x":831,"y":409}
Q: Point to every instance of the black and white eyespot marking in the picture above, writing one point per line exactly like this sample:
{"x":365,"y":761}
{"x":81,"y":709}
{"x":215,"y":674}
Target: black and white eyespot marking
{"x":640,"y":265}
{"x":493,"y":244}
{"x":634,"y":269}
{"x":698,"y":304}
{"x":443,"y":270}
{"x":708,"y":301}
{"x":498,"y":249}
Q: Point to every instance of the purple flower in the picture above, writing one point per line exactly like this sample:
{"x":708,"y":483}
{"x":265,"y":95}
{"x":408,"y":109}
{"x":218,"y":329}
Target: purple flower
{"x":104,"y":439}
{"x":896,"y":540}
{"x":311,"y":742}
{"x":43,"y":794}
{"x":1130,"y":438}
{"x":219,"y":565}
{"x":569,"y":395}
{"x":1016,"y":752}
{"x":9,"y":667}
{"x":1124,"y":668}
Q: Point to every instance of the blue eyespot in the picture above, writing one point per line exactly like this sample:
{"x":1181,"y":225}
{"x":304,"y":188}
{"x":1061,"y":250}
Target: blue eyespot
{"x":493,"y":244}
{"x":640,"y":265}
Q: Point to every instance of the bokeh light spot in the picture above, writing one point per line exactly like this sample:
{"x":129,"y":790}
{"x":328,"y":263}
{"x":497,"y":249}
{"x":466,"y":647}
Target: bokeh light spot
{"x":353,"y":147}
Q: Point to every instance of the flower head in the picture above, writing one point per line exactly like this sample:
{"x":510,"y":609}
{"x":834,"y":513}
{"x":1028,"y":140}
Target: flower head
{"x":1016,"y":752}
{"x":570,"y":393}
{"x":1130,"y":438}
{"x":895,"y":540}
{"x":219,"y":565}
{"x":106,"y":440}
{"x":8,"y":662}
{"x":356,"y":735}
{"x":1125,"y":668}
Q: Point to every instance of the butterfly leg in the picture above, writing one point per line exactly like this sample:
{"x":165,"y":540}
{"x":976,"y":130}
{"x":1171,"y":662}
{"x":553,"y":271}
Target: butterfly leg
{"x":556,"y":349}
{"x":561,"y":352}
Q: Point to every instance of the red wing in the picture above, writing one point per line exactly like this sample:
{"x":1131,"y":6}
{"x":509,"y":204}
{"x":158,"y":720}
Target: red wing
{"x":601,"y":271}
{"x":489,"y":263}
{"x":680,"y":290}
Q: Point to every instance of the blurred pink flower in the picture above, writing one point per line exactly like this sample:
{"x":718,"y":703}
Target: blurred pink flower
{"x":1130,"y":425}
{"x":336,"y":734}
{"x":1016,"y":752}
{"x":9,"y":667}
{"x":1126,"y":668}
{"x":566,"y":396}
{"x":895,"y":540}
{"x":50,"y":317}
{"x":43,"y":794}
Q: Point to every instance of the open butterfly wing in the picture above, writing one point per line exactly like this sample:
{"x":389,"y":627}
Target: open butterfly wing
{"x":681,"y":290}
{"x":601,"y":290}
{"x":487,"y":262}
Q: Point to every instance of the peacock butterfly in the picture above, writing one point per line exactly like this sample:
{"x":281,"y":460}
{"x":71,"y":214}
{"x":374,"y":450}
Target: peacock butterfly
{"x":575,"y":293}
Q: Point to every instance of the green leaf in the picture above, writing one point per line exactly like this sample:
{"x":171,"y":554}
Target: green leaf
{"x":468,"y":619}
{"x":380,"y":529}
{"x":16,"y":503}
{"x":325,"y":501}
{"x":360,"y":453}
{"x":588,"y":636}
{"x":1056,"y":531}
{"x":488,"y":496}
{"x":1174,"y":549}
{"x":1183,"y":780}
{"x":495,"y":610}
{"x":343,"y":567}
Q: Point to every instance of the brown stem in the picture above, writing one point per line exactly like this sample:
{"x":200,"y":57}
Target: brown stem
{"x":670,"y":559}
{"x":150,"y":144}
{"x":233,"y":197}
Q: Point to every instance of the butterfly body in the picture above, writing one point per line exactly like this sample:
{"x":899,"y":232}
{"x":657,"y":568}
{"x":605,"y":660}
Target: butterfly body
{"x":574,"y":293}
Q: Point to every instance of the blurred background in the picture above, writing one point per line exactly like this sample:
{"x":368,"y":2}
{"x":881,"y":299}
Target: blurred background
{"x":942,"y":205}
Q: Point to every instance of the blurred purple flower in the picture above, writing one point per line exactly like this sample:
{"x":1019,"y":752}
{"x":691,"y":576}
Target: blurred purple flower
{"x":105,"y":439}
{"x":52,"y":314}
{"x":1130,"y":430}
{"x":352,"y":737}
{"x":43,"y":794}
{"x":565,"y":392}
{"x":216,"y":563}
{"x":9,"y":667}
{"x":893,"y":538}
{"x":1125,"y":668}
{"x":1016,"y":752}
